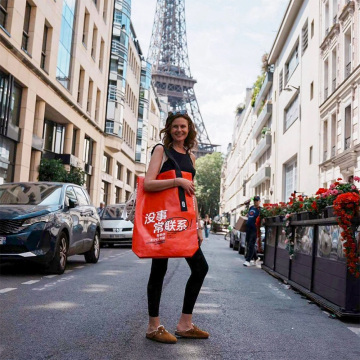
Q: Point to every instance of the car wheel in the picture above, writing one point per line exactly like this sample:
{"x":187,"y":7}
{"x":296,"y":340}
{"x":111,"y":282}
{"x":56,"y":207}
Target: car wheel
{"x":58,"y":264}
{"x":110,"y":245}
{"x":92,"y":256}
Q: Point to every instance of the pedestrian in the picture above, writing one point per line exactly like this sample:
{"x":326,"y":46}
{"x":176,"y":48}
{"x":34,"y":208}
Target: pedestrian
{"x":251,"y":232}
{"x":207,"y":225}
{"x":100,"y":209}
{"x":179,"y":137}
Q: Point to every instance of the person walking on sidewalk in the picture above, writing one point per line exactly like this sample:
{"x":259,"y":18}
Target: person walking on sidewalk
{"x":207,"y":225}
{"x":251,"y":231}
{"x":179,"y":137}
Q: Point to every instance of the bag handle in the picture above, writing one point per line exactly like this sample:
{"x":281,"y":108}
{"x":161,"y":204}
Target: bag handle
{"x":182,"y":197}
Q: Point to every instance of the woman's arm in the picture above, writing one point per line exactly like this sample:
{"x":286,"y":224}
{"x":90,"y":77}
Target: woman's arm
{"x":152,"y":184}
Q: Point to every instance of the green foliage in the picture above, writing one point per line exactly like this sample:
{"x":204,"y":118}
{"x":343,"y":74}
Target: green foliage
{"x":257,"y":86}
{"x":208,"y":175}
{"x":53,"y":170}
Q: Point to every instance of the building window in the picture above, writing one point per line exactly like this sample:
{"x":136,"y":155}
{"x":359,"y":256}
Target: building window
{"x":101,"y":56}
{"x":26,"y":28}
{"x":86,"y":28}
{"x":105,"y":9}
{"x":333,"y":57}
{"x":290,"y":170}
{"x":333,"y":134}
{"x":65,"y":44}
{"x":3,"y":13}
{"x":325,"y":140}
{"x":7,"y":163}
{"x":347,"y":127}
{"x":74,"y":141}
{"x":104,"y":192}
{"x":127,"y":195}
{"x":304,"y":37}
{"x":97,"y":105}
{"x":54,"y":135}
{"x":311,"y":90}
{"x":94,"y":42}
{"x":89,"y":97}
{"x":292,"y":64}
{"x":10,"y":101}
{"x":326,"y":79}
{"x":281,"y":76}
{"x":88,"y":150}
{"x":119,"y":169}
{"x":312,"y":29}
{"x":310,"y":155}
{"x":291,"y":113}
{"x":44,"y":58}
{"x":109,"y":127}
{"x":81,"y":86}
{"x":106,"y":164}
{"x":128,"y":177}
{"x":117,"y":195}
{"x":348,"y":53}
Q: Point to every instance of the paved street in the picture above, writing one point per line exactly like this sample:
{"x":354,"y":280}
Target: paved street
{"x":100,"y":312}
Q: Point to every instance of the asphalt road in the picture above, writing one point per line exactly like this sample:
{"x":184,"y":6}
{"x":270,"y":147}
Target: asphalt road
{"x":100,"y":312}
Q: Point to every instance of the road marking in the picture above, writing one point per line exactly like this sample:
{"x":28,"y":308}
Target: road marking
{"x":67,"y":271}
{"x":3,"y":291}
{"x":46,"y":286}
{"x":206,"y":311}
{"x":30,"y":282}
{"x":80,"y":267}
{"x":205,"y":305}
{"x":278,"y":293}
{"x":355,"y":330}
{"x":50,"y":276}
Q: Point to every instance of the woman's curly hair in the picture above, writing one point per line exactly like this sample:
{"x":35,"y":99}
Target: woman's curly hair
{"x":190,"y":141}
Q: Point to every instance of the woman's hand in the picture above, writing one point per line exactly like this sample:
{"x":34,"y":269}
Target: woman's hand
{"x":200,"y":236}
{"x":187,"y":185}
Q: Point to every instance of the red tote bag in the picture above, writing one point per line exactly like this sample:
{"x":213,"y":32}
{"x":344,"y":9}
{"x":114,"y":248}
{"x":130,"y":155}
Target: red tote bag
{"x":165,"y":221}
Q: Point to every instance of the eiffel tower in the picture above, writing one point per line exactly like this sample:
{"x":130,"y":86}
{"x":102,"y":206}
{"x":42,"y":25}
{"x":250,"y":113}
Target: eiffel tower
{"x":171,"y":74}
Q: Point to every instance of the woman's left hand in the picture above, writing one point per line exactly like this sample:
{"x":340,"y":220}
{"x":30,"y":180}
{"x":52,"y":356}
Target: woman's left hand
{"x":200,"y":236}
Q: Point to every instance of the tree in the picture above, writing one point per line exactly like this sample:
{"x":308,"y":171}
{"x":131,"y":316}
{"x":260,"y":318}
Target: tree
{"x":208,"y":175}
{"x":53,"y":170}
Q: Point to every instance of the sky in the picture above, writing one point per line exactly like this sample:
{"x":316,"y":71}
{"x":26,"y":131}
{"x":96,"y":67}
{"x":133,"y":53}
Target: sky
{"x":226,"y":40}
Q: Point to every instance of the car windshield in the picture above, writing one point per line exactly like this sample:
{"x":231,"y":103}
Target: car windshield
{"x":30,"y":194}
{"x":113,"y":212}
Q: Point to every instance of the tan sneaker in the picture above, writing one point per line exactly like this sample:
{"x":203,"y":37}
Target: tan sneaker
{"x":194,"y":333}
{"x":162,"y":335}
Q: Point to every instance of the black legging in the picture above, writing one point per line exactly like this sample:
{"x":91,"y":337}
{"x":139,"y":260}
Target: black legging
{"x":199,"y":268}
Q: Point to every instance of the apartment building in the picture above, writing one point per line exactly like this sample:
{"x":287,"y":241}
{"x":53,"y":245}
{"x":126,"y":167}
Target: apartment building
{"x":238,"y":167}
{"x":296,"y":122}
{"x":339,"y":90}
{"x":56,"y":60}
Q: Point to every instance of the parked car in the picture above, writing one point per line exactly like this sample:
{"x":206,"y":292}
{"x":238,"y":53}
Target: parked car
{"x":47,"y":222}
{"x":114,"y":229}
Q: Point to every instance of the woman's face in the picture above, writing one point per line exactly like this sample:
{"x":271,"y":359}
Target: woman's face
{"x":179,"y":129}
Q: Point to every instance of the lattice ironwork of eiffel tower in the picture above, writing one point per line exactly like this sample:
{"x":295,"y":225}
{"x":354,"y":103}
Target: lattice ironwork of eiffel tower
{"x":171,"y":74}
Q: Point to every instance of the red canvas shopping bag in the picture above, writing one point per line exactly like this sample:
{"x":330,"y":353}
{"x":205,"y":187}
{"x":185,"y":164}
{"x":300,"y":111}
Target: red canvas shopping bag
{"x":165,"y":221}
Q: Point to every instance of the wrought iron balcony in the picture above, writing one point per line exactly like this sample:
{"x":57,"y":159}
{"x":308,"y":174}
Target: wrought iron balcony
{"x":260,"y":176}
{"x":347,"y":142}
{"x":262,"y":119}
{"x":264,"y":90}
{"x":261,"y":147}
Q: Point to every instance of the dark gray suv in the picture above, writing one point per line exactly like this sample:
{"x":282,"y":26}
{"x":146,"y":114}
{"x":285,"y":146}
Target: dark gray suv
{"x":47,"y":222}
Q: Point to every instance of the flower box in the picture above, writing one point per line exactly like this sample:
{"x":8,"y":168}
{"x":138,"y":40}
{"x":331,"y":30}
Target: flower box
{"x":328,"y":212}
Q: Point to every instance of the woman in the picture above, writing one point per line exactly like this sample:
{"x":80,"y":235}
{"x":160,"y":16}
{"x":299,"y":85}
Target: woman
{"x":179,"y":137}
{"x":207,"y":225}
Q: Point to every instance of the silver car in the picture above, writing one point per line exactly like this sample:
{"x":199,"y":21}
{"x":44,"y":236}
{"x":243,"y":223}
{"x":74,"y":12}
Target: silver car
{"x":114,"y":229}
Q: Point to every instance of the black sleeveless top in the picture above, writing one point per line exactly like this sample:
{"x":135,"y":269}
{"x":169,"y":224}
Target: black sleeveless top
{"x":184,"y":161}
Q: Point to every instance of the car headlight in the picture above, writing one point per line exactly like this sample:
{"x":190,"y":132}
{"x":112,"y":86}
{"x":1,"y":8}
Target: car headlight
{"x":38,"y":219}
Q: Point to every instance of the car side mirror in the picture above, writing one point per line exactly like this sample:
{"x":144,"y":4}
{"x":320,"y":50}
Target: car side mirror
{"x":73,"y":203}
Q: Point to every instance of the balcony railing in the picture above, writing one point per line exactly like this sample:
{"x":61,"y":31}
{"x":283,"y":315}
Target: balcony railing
{"x":264,"y":90}
{"x":261,"y":175}
{"x":262,"y":119}
{"x":261,"y":147}
{"x":326,"y":93}
{"x":334,"y":84}
{"x":335,"y":19}
{"x":325,"y":155}
{"x":347,"y":142}
{"x":333,"y":151}
{"x":327,"y":32}
{"x":348,"y":69}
